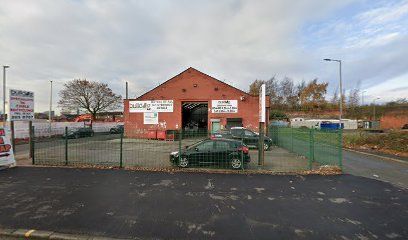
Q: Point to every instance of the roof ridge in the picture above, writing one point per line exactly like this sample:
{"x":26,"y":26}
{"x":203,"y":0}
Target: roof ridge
{"x":192,"y":68}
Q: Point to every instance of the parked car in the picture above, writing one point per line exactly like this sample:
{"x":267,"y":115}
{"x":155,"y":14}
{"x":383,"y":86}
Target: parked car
{"x":117,"y":129}
{"x":79,"y":133}
{"x":249,"y":137}
{"x":222,"y":152}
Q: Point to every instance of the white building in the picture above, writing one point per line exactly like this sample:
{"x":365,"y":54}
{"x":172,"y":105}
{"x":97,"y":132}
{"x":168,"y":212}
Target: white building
{"x":315,"y":123}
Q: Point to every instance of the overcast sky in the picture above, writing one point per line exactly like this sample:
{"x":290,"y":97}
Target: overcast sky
{"x":148,"y":42}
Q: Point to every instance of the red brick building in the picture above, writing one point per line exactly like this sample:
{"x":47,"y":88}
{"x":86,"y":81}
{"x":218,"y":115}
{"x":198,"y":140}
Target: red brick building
{"x":192,"y":100}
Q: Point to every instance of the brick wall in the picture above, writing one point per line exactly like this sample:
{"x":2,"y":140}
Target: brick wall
{"x":189,"y":86}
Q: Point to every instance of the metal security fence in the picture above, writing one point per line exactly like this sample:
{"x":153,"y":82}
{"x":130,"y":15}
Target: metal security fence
{"x":319,"y":147}
{"x":294,"y":149}
{"x":138,"y":148}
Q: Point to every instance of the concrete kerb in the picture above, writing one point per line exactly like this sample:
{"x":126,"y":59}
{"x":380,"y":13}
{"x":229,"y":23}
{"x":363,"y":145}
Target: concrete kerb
{"x":38,"y":234}
{"x":323,"y":170}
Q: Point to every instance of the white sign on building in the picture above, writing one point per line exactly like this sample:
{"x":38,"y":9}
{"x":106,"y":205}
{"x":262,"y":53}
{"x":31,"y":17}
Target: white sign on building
{"x":150,"y":118}
{"x":6,"y":149}
{"x":21,"y":105}
{"x":151,"y":106}
{"x":262,"y":103}
{"x":224,"y":106}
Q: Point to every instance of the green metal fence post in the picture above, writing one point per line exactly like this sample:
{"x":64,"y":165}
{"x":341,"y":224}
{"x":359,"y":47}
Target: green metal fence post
{"x":121,"y":151}
{"x":180,"y":133}
{"x":32,"y":151}
{"x":340,"y":146}
{"x":291,"y":137}
{"x":242,"y":153}
{"x":66,"y":145}
{"x":311,"y":147}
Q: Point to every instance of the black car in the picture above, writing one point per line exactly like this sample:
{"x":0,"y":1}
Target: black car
{"x":249,"y":137}
{"x":220,"y":152}
{"x":79,"y":133}
{"x":117,"y":129}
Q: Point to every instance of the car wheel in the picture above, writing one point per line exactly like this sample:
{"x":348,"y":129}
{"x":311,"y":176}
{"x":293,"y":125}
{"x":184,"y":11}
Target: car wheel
{"x":266,"y":146}
{"x":183,"y":162}
{"x":236,"y":163}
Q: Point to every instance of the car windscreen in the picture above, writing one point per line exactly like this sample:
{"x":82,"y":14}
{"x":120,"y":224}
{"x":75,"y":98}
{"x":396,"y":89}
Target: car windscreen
{"x":236,"y":132}
{"x":193,"y":146}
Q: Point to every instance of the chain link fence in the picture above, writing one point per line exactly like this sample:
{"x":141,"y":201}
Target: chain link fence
{"x":319,"y":147}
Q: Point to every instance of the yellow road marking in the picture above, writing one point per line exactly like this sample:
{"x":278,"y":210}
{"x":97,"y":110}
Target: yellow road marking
{"x":28,"y":233}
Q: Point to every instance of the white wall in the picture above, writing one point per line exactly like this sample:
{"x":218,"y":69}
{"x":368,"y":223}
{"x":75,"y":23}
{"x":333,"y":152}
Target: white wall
{"x":42,"y":128}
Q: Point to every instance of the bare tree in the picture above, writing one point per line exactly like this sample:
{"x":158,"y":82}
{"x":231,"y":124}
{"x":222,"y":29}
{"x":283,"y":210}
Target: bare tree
{"x":93,"y":97}
{"x":287,"y":92}
{"x":272,"y":89}
{"x":354,"y":98}
{"x":300,"y":87}
{"x":255,"y":86}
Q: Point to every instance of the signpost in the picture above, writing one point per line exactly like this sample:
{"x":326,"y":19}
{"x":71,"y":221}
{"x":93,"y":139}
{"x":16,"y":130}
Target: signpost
{"x":21,"y":108}
{"x":224,"y":106}
{"x":6,"y":149}
{"x":21,"y":105}
{"x":262,"y":118}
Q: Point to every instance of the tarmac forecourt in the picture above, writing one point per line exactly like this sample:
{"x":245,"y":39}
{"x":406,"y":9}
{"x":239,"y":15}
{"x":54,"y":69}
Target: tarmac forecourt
{"x":165,"y":205}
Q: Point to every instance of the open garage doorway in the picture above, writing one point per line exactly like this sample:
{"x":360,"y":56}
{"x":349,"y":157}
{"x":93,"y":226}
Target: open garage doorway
{"x":195,"y":116}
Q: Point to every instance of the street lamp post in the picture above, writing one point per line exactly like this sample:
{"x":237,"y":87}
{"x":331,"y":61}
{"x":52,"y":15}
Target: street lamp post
{"x":374,"y":108}
{"x":4,"y":95}
{"x":50,"y":112}
{"x":341,"y":89}
{"x":362,"y":98}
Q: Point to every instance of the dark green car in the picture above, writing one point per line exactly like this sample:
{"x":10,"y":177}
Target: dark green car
{"x":226,"y":153}
{"x":117,"y":129}
{"x":79,"y":133}
{"x":249,"y":137}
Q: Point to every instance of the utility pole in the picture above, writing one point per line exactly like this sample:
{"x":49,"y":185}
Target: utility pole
{"x":374,"y":108}
{"x":127,"y":90}
{"x":50,"y":112}
{"x":341,"y":89}
{"x":4,"y":96}
{"x":362,"y":98}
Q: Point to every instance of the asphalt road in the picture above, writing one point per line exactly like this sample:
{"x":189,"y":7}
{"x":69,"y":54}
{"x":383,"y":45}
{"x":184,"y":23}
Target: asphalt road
{"x":360,"y":164}
{"x":376,"y":167}
{"x":154,"y":205}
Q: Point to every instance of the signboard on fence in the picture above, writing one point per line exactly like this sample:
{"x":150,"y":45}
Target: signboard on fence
{"x":150,"y":118}
{"x":262,"y":103}
{"x":224,"y":106}
{"x":6,"y":149}
{"x":151,"y":106}
{"x":21,"y":105}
